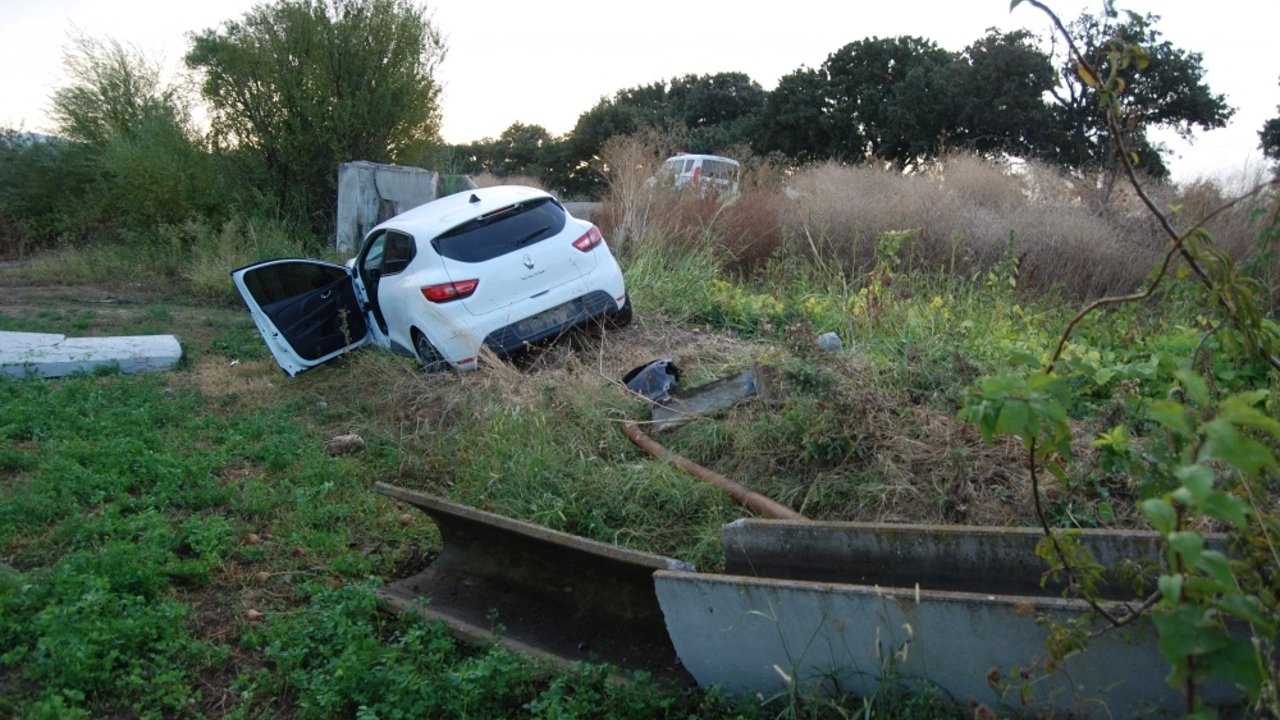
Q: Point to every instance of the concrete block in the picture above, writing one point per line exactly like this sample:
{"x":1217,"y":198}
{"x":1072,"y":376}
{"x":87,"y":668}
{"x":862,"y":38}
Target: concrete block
{"x":53,"y":355}
{"x":369,"y":193}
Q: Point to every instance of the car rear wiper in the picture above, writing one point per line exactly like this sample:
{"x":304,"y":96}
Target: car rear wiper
{"x":532,"y":235}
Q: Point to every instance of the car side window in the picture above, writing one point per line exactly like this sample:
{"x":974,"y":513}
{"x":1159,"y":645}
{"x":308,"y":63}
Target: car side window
{"x":388,"y":253}
{"x":275,"y":283}
{"x":373,"y":254}
{"x":399,"y":251}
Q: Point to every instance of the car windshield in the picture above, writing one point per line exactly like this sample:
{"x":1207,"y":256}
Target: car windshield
{"x":502,"y":231}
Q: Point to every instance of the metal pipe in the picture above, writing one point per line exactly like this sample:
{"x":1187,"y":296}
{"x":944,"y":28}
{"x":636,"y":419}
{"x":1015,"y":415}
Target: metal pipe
{"x":743,"y":496}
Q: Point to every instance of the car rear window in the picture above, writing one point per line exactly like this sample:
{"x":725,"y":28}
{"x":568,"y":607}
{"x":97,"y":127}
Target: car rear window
{"x":502,"y":231}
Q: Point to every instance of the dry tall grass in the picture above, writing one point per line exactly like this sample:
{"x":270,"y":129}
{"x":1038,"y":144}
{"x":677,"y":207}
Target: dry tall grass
{"x":637,"y":209}
{"x":967,"y":215}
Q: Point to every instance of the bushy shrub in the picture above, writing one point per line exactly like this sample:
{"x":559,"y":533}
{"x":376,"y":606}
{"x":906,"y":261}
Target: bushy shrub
{"x":41,"y":182}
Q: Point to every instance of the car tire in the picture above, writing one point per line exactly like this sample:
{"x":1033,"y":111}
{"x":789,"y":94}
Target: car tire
{"x":622,"y":317}
{"x":428,"y":357}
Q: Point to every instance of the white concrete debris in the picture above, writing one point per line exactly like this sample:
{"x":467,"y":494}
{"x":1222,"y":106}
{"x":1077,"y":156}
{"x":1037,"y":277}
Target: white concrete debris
{"x":54,"y":355}
{"x":369,"y":193}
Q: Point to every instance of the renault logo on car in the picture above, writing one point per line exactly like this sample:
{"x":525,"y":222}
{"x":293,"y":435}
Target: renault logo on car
{"x":528,"y":261}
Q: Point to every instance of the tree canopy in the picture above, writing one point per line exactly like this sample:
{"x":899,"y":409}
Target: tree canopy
{"x":716,"y":111}
{"x":997,"y":88}
{"x":113,"y":89}
{"x":904,"y":100}
{"x":884,"y":98}
{"x":1168,"y":92}
{"x":1270,"y":135}
{"x":309,"y":84}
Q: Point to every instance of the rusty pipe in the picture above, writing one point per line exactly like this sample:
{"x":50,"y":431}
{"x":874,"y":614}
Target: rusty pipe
{"x":742,"y":495}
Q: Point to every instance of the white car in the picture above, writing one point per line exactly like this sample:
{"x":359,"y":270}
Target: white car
{"x":704,"y":172}
{"x":503,"y":267}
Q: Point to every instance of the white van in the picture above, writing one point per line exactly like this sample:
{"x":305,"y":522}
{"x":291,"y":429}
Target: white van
{"x":706,"y":172}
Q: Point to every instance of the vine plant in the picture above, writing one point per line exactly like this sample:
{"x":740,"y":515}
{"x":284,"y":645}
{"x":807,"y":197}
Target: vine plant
{"x":1210,"y":463}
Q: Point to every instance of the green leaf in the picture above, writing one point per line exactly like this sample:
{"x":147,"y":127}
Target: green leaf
{"x":1161,"y":514}
{"x":1140,"y":57}
{"x":1195,"y":387}
{"x":1116,"y":439}
{"x":1198,"y":481}
{"x":1056,"y":470}
{"x":1177,"y":628}
{"x":1187,"y":545}
{"x":1226,"y":442}
{"x":1215,"y":565}
{"x":1172,"y":416}
{"x":1228,"y":508}
{"x":1014,"y":419}
{"x":1239,"y":663}
{"x":1246,"y":608}
{"x":1241,"y":410}
{"x":1170,"y":588}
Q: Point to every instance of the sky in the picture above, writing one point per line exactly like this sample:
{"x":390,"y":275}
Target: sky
{"x":545,"y":63}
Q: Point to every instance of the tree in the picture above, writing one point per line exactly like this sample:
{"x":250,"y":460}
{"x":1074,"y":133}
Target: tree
{"x":715,"y":110}
{"x":1270,"y":135}
{"x":131,"y":140}
{"x":113,"y":89}
{"x":521,"y":150}
{"x":1164,"y":88}
{"x":997,"y":87}
{"x":626,"y":113}
{"x":796,"y":117}
{"x":704,"y":100}
{"x":884,"y":98}
{"x":309,"y":84}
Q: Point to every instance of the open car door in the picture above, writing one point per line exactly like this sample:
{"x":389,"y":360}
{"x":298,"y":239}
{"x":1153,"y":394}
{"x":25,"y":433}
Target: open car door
{"x":306,"y":310}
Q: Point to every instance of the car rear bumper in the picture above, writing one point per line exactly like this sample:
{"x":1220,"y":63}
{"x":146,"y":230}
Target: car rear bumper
{"x":550,"y":323}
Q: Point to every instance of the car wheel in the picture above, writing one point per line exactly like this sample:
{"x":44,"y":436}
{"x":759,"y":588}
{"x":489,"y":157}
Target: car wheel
{"x":622,"y":317}
{"x":428,"y":357}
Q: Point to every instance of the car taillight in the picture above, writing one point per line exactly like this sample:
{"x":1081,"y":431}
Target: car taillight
{"x":448,"y":292}
{"x":590,"y":240}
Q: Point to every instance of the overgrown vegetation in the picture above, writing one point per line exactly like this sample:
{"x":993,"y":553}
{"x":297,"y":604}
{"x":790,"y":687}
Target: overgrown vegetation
{"x":252,"y":556}
{"x":182,"y":545}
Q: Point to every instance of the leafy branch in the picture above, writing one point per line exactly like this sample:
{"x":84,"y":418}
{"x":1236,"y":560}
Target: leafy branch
{"x":1218,"y":451}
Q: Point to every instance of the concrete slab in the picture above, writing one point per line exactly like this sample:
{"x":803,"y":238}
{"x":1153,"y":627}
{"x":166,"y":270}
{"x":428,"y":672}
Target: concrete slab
{"x":760,"y":636}
{"x":988,"y":560}
{"x":556,"y":596}
{"x":813,"y":608}
{"x":54,"y":355}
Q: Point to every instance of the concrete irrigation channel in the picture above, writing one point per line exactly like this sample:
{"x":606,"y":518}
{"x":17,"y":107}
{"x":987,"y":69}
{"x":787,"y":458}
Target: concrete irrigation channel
{"x":802,"y":607}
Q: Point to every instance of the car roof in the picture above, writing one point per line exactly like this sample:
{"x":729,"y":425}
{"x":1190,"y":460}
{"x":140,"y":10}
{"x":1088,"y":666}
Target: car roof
{"x":683,"y":156}
{"x":429,"y":220}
